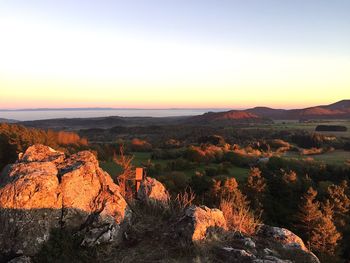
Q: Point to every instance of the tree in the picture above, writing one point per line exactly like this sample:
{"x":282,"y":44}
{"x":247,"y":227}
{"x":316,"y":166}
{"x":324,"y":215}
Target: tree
{"x":255,"y":188}
{"x":324,"y":237}
{"x":309,"y":216}
{"x":230,"y":186}
{"x":290,"y":177}
{"x":236,"y":210}
{"x":341,"y":203}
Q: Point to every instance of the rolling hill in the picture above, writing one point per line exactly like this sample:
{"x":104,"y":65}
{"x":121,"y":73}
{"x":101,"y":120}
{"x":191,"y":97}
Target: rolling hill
{"x":227,"y":117}
{"x":338,"y":110}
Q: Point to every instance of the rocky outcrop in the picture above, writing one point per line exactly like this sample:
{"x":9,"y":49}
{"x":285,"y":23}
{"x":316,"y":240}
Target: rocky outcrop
{"x":271,"y":244}
{"x":197,"y":220}
{"x":283,"y":236}
{"x":151,"y":190}
{"x":207,"y":228}
{"x":41,"y":153}
{"x":45,"y":190}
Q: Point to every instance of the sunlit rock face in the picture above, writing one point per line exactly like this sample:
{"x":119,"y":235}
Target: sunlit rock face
{"x":153,"y":191}
{"x":198,"y":220}
{"x":45,"y":190}
{"x":41,"y":153}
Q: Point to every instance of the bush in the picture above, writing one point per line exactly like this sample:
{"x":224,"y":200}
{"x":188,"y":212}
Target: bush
{"x":175,"y":181}
{"x":179,"y":165}
{"x":238,"y":159}
{"x":201,"y":184}
{"x":238,"y":217}
{"x":139,"y":145}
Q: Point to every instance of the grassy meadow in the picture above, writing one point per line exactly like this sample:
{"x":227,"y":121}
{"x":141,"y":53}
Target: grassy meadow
{"x":141,"y":158}
{"x":290,"y":125}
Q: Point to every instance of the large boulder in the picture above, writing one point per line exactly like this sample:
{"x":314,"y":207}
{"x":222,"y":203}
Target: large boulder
{"x":197,"y":220}
{"x":45,"y":190}
{"x":153,"y":191}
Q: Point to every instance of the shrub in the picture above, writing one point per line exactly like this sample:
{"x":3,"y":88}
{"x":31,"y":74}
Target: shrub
{"x":238,"y":217}
{"x":139,"y":145}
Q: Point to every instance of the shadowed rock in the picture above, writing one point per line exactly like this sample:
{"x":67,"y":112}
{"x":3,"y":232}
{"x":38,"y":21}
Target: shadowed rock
{"x":282,"y":235}
{"x":22,"y":259}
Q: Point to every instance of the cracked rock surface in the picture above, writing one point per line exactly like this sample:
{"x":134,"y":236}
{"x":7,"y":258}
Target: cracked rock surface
{"x":45,"y":190}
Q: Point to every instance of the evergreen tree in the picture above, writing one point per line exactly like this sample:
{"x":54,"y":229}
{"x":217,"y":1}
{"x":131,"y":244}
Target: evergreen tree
{"x":341,"y":203}
{"x":255,"y":181}
{"x":235,"y":207}
{"x":230,"y":186}
{"x":290,"y":177}
{"x":231,"y":191}
{"x":255,"y":189}
{"x":324,"y":237}
{"x":309,"y":216}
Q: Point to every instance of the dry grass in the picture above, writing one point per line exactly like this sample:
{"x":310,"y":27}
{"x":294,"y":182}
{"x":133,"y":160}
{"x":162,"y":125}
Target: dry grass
{"x":182,"y":201}
{"x":240,"y":219}
{"x":125,"y":179}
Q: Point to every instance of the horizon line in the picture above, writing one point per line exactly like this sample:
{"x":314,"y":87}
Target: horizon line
{"x":170,"y":108}
{"x":113,"y":108}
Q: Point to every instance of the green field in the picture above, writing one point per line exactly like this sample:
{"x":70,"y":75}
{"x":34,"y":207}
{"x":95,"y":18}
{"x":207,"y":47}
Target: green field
{"x":338,"y":157}
{"x":139,"y":158}
{"x":307,"y":126}
{"x":142,"y":157}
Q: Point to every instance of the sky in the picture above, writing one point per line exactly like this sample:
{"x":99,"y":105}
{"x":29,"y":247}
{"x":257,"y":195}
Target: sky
{"x":174,"y":53}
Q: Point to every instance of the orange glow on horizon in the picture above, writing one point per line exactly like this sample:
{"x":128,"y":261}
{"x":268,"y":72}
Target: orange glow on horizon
{"x":99,"y":69}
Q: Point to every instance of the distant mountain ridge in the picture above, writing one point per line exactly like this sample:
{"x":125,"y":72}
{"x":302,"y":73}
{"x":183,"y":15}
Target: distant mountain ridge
{"x":226,"y":117}
{"x":7,"y":120}
{"x":340,"y":109}
{"x":337,"y":110}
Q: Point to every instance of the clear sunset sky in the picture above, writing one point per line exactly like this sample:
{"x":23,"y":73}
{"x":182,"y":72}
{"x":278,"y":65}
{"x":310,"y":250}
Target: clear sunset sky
{"x":174,"y":53}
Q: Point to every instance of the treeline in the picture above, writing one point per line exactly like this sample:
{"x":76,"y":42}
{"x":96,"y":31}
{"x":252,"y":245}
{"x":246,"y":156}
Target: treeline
{"x":17,"y":138}
{"x":156,"y":136}
{"x":338,"y":128}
